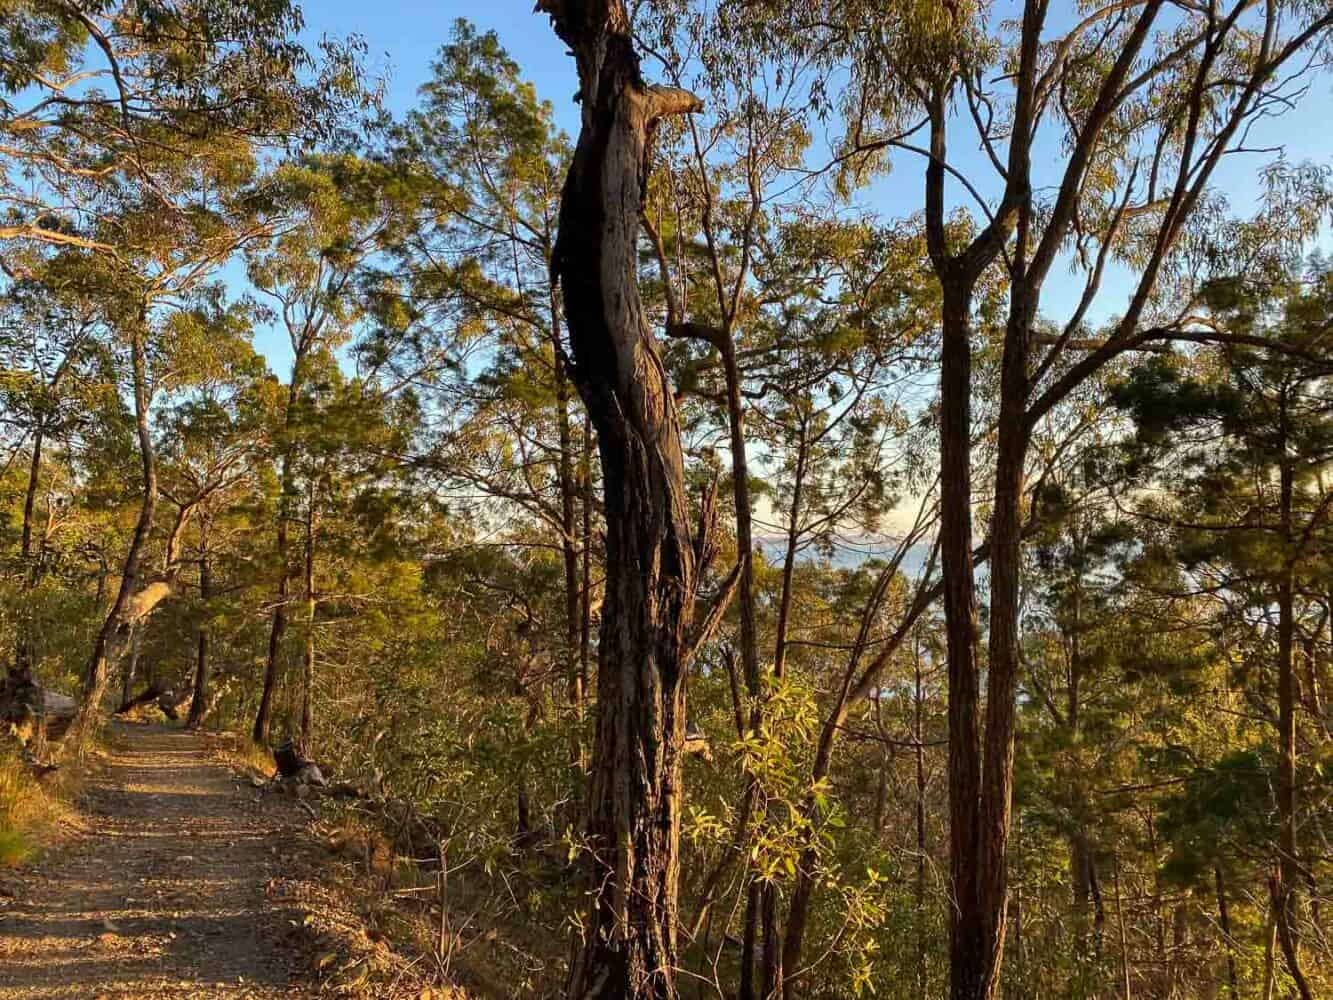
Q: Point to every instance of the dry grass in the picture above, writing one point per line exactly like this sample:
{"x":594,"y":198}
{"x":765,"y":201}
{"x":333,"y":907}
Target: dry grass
{"x":31,"y":811}
{"x":241,"y":754}
{"x":255,"y":757}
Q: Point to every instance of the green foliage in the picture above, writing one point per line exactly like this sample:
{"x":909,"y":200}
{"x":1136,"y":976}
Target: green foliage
{"x":426,"y":457}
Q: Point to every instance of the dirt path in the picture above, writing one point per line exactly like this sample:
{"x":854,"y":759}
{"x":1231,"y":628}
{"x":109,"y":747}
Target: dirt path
{"x":165,"y":894}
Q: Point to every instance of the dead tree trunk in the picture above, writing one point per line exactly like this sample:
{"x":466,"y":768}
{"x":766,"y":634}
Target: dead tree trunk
{"x":634,"y":794}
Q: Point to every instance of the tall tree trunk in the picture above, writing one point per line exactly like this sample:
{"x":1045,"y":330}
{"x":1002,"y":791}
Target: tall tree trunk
{"x":1124,"y":935}
{"x":981,"y":761}
{"x":740,"y":491}
{"x":789,"y":557}
{"x":23,"y":646}
{"x":779,"y":959}
{"x":982,"y":918}
{"x":199,"y":701}
{"x":633,"y":820}
{"x":131,"y":670}
{"x":33,"y":562}
{"x":308,"y":649}
{"x":1270,"y":944}
{"x":569,"y":547}
{"x":1288,"y":862}
{"x":260,"y":731}
{"x":1224,"y":922}
{"x":918,"y":735}
{"x":111,"y":636}
{"x":585,"y":570}
{"x":970,"y":936}
{"x":263,"y":717}
{"x":1083,"y":863}
{"x":749,"y":941}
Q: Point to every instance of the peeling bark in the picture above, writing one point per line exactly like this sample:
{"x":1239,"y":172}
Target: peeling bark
{"x":634,"y":795}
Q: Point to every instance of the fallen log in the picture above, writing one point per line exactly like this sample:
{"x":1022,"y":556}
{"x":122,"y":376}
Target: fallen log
{"x":31,"y":713}
{"x":151,"y":693}
{"x":167,"y":700}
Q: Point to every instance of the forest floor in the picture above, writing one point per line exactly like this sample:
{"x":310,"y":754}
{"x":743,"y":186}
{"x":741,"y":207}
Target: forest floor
{"x":182,"y":883}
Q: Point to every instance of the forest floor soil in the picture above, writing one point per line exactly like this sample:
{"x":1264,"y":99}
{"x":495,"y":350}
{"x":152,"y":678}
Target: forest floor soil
{"x":185,"y":881}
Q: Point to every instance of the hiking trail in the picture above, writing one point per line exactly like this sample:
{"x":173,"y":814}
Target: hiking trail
{"x":167,"y":892}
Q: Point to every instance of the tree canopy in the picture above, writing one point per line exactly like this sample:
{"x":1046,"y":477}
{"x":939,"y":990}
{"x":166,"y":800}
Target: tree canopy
{"x":749,"y":591}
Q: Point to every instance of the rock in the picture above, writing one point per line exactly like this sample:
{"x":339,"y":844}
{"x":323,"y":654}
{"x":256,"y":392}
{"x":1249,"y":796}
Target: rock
{"x":289,"y":759}
{"x":310,"y":774}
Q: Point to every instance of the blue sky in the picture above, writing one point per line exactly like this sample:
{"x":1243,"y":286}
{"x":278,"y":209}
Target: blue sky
{"x":403,"y":37}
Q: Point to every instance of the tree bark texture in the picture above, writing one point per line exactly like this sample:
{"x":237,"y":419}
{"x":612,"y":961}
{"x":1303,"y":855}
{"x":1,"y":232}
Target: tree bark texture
{"x":633,"y":822}
{"x":199,"y":701}
{"x":264,"y":716}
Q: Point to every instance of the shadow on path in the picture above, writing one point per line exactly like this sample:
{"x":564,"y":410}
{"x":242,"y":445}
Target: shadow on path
{"x":164,"y":895}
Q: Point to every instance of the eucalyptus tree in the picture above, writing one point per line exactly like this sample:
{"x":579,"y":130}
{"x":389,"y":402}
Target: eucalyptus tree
{"x":52,"y":358}
{"x":1242,"y":441}
{"x":354,"y":443}
{"x":479,"y":263}
{"x":316,"y":279}
{"x":1125,"y":88}
{"x":213,"y":439}
{"x":834,"y":315}
{"x":138,"y":136}
{"x":101,"y":98}
{"x":654,"y":567}
{"x":796,"y":316}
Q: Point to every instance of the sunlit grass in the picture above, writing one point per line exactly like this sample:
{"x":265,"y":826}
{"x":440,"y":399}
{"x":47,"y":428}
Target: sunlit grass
{"x":253,"y":755}
{"x":29,"y":813}
{"x":14,"y":848}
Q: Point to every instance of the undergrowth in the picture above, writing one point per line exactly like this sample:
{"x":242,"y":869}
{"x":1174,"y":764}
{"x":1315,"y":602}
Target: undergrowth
{"x":30,"y":811}
{"x":242,"y":754}
{"x":254,"y":756}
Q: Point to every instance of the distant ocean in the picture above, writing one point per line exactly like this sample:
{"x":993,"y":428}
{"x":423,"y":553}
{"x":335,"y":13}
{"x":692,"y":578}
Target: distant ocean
{"x":848,"y":552}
